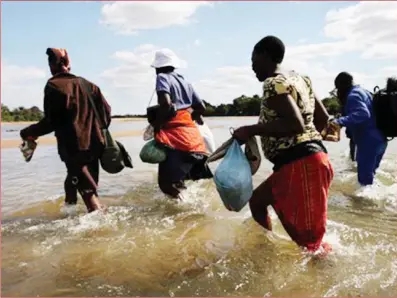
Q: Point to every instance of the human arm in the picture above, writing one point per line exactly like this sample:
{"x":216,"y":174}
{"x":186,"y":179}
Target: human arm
{"x":356,"y":111}
{"x":164,"y":101}
{"x":289,"y":122}
{"x":198,"y":107}
{"x":321,"y":115}
{"x":53,"y":103}
{"x":106,"y":109}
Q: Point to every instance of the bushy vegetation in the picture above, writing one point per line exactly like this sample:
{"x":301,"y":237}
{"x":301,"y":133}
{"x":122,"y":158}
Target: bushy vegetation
{"x":241,"y":106}
{"x":250,"y":106}
{"x":20,"y":114}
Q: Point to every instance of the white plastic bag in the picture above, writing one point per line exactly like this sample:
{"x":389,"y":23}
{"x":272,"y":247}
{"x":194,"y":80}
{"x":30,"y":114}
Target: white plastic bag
{"x":233,"y":178}
{"x":149,"y":133}
{"x":208,"y":137}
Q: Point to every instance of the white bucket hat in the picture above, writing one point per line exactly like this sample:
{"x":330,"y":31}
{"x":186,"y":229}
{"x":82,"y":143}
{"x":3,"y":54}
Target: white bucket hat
{"x":165,"y":57}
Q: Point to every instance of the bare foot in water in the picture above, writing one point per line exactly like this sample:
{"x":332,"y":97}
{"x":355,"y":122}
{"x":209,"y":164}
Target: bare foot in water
{"x":323,"y":252}
{"x":93,"y":204}
{"x":103,"y":208}
{"x":178,"y":197}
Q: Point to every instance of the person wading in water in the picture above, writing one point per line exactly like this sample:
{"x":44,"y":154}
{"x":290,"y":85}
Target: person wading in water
{"x":179,"y":107}
{"x":359,"y":120}
{"x":68,"y":113}
{"x":290,"y":122}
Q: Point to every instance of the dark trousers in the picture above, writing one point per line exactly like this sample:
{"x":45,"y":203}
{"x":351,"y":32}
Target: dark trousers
{"x":83,"y":177}
{"x":352,"y":146}
{"x":180,"y":167}
{"x":369,"y":157}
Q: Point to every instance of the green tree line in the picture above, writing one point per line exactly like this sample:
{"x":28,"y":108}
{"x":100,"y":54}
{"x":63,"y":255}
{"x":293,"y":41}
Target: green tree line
{"x":20,"y":114}
{"x":241,"y":106}
{"x":250,"y":106}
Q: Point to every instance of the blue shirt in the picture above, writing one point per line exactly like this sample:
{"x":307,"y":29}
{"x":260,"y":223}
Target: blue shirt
{"x":181,"y":92}
{"x":359,"y":119}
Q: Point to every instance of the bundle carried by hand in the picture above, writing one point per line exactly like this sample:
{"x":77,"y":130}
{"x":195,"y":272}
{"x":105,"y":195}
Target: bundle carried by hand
{"x":233,"y":176}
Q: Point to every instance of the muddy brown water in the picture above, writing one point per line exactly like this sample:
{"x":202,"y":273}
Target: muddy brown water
{"x":147,"y":245}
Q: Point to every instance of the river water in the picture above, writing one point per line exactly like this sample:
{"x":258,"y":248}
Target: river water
{"x":147,"y":245}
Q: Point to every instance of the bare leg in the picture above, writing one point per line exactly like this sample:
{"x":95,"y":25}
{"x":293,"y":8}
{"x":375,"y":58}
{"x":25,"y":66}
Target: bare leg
{"x":92,"y":202}
{"x":260,"y":200}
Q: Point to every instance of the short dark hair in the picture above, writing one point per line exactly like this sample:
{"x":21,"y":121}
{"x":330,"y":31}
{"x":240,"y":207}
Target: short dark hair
{"x":273,"y":46}
{"x":344,"y":78}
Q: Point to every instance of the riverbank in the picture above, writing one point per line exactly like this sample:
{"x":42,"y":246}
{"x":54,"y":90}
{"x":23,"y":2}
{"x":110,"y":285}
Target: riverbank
{"x":113,"y":120}
{"x":128,"y":119}
{"x":48,"y":141}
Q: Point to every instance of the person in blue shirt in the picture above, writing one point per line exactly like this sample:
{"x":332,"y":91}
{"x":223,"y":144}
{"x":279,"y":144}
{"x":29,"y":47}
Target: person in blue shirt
{"x":359,"y":120}
{"x":179,"y":108}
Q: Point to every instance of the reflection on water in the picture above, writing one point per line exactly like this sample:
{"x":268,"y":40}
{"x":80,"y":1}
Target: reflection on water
{"x":147,"y":245}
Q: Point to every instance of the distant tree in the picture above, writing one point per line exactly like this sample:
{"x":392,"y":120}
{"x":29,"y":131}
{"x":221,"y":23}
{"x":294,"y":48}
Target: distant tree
{"x":20,"y":114}
{"x":332,"y":105}
{"x":240,"y":106}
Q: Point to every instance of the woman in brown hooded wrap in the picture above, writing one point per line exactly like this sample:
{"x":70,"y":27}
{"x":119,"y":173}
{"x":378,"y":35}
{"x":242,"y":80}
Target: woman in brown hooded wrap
{"x":68,"y":113}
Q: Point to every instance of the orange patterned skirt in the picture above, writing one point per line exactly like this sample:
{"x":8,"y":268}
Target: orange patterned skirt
{"x":181,"y":133}
{"x":299,"y":197}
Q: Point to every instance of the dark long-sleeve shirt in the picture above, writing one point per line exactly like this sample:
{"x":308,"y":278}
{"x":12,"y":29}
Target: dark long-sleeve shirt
{"x":68,"y":113}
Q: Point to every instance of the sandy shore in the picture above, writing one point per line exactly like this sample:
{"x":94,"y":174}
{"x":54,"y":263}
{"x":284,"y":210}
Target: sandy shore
{"x":48,"y":141}
{"x":113,"y":120}
{"x":135,"y":119}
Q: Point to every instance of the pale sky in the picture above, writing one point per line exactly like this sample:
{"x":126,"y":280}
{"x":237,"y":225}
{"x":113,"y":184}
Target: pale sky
{"x":112,"y":44}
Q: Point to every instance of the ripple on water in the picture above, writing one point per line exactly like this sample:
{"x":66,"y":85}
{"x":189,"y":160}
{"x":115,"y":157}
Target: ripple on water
{"x":147,"y":245}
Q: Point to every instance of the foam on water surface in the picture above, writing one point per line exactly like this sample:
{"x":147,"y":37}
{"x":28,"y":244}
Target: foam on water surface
{"x":149,"y":245}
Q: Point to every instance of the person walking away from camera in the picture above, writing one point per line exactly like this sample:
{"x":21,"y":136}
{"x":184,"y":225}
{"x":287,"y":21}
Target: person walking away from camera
{"x":360,"y":121}
{"x":175,"y":129}
{"x":290,"y":122}
{"x":68,"y":113}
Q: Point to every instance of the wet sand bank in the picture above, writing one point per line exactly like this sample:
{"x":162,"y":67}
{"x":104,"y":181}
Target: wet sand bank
{"x":48,"y":141}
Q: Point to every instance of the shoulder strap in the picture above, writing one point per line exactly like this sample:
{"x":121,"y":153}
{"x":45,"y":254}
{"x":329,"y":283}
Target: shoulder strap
{"x":89,"y":95}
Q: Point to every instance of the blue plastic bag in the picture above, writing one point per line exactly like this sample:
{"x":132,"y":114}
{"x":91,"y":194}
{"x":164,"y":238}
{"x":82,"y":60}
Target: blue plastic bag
{"x":233,"y":178}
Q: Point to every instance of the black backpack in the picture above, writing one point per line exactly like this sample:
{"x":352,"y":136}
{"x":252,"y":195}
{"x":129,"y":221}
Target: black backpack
{"x":385,"y":108}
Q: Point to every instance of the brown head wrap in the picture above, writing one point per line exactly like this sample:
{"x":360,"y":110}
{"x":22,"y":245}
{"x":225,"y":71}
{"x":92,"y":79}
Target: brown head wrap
{"x":59,"y":58}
